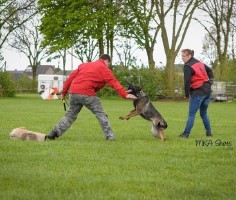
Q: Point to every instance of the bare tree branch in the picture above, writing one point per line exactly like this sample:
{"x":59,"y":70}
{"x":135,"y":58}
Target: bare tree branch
{"x":14,"y":13}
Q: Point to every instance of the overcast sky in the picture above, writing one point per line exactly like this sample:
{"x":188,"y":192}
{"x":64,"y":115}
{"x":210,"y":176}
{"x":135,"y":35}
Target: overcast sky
{"x":193,"y":40}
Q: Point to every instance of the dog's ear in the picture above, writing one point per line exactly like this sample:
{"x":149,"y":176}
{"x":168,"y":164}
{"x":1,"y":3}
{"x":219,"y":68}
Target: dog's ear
{"x":129,"y":84}
{"x":130,"y":88}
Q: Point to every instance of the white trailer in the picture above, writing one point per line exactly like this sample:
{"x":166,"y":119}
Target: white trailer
{"x":47,"y":83}
{"x":218,"y":88}
{"x":220,"y":92}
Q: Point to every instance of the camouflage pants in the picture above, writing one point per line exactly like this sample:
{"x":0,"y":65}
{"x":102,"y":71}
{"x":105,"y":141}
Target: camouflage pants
{"x":93,"y":103}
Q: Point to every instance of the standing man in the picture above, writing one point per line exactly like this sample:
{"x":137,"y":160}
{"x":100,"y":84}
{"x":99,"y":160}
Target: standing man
{"x":83,"y":84}
{"x":198,"y":79}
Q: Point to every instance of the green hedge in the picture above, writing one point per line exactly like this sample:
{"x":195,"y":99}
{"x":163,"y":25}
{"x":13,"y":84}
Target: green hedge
{"x":7,"y":87}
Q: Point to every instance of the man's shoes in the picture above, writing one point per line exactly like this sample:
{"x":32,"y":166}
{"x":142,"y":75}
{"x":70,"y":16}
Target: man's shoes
{"x":52,"y":135}
{"x":183,"y":135}
{"x":110,"y":137}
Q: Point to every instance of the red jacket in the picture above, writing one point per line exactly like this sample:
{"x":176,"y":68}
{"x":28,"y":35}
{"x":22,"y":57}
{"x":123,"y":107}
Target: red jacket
{"x":200,"y":76}
{"x":90,"y":77}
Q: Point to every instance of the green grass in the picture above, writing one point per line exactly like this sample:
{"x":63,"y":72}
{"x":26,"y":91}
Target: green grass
{"x":82,"y":165}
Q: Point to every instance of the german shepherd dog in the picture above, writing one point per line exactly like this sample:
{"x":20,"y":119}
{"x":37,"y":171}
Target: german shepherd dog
{"x":24,"y":134}
{"x":144,"y":107}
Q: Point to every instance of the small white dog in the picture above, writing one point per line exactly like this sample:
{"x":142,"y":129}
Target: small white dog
{"x":24,"y":134}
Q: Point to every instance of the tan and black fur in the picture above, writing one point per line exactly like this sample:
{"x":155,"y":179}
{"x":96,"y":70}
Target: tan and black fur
{"x":144,"y":107}
{"x":24,"y":134}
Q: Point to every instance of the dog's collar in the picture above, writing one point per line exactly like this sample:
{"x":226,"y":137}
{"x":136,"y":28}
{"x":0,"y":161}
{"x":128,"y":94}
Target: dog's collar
{"x":141,"y":94}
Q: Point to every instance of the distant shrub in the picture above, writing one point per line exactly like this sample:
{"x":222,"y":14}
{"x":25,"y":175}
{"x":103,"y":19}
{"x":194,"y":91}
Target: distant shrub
{"x":7,"y":87}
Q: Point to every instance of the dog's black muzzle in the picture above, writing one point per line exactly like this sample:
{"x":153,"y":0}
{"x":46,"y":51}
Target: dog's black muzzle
{"x":162,"y":125}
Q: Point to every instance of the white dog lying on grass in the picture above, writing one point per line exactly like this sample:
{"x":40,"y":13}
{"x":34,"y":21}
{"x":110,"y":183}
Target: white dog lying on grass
{"x":24,"y":134}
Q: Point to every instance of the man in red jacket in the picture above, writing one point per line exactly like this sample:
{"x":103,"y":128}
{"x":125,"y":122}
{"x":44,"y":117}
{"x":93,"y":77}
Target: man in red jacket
{"x":83,"y":83}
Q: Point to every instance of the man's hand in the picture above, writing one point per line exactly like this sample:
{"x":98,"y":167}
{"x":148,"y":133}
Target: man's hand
{"x":211,"y":81}
{"x":130,"y":96}
{"x":62,"y":97}
{"x":186,"y":98}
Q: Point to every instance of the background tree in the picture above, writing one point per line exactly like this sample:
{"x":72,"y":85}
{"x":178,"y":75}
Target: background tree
{"x":220,"y":15}
{"x":28,"y":40}
{"x":209,"y":47}
{"x":2,"y":65}
{"x":138,"y":21}
{"x":233,"y":33}
{"x":13,"y":14}
{"x":65,"y":22}
{"x":104,"y":23}
{"x":57,"y":55}
{"x":233,"y":46}
{"x":176,"y":14}
{"x":86,"y":49}
{"x":125,"y":50}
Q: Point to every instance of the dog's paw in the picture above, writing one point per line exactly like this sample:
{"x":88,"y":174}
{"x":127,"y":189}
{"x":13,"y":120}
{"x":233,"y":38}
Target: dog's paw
{"x":163,"y":139}
{"x":123,"y":118}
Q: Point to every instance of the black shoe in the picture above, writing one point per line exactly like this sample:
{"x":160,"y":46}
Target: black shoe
{"x":183,"y":135}
{"x":209,"y":134}
{"x":110,"y":137}
{"x":52,"y":135}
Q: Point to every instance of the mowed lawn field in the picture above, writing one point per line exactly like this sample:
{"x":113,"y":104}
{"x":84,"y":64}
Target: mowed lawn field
{"x":82,"y":165}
